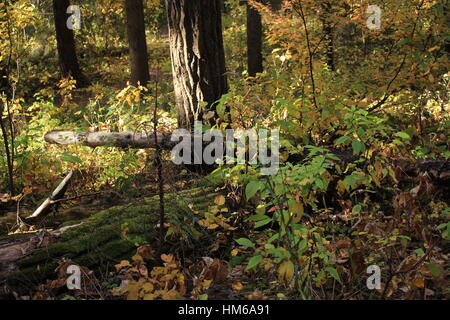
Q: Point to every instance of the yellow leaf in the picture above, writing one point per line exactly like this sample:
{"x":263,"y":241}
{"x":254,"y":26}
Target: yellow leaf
{"x":148,"y":287}
{"x":137,"y":259}
{"x":122,"y":264}
{"x":219,"y":200}
{"x":296,"y":207}
{"x":133,"y":292}
{"x":167,"y":258}
{"x":213,"y":226}
{"x":150,"y":296}
{"x":286,"y":271}
{"x":237,"y":286}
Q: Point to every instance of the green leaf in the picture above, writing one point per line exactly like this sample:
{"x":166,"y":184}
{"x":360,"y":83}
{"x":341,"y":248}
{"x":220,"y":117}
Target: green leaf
{"x":253,"y":262}
{"x":67,"y":157}
{"x":273,"y":238}
{"x":237,"y":260}
{"x":252,"y":188}
{"x":257,"y":217}
{"x":333,"y":272}
{"x":220,"y":109}
{"x":320,"y":184}
{"x":403,"y":135}
{"x":341,"y":140}
{"x":245,"y":242}
{"x":263,"y":222}
{"x":302,"y":246}
{"x":358,"y":146}
{"x":434,"y":270}
{"x":419,"y":252}
{"x":356,"y":209}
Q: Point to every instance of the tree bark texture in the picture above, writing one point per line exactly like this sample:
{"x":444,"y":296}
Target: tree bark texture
{"x":68,"y":61}
{"x":254,"y":41}
{"x":198,"y":59}
{"x":137,"y":42}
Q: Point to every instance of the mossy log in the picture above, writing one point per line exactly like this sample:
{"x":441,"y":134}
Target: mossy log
{"x":99,"y":242}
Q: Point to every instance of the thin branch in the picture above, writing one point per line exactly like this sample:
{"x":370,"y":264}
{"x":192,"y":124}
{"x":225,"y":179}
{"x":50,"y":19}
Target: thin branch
{"x":310,"y":54}
{"x":402,"y":64}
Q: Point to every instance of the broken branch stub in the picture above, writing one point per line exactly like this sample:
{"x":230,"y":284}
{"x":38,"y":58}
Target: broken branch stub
{"x":57,"y":194}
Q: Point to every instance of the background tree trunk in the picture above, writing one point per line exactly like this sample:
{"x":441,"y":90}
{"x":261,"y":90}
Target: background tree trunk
{"x":254,"y":41}
{"x":66,"y":44}
{"x":327,"y":27}
{"x":137,"y":41}
{"x":198,"y":59}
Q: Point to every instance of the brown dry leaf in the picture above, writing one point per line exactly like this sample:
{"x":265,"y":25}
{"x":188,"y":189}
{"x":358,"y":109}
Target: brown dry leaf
{"x":346,"y":206}
{"x":237,"y":286}
{"x":4,"y":197}
{"x":214,"y":269}
{"x":343,"y":243}
{"x":61,"y":270}
{"x":143,"y":271}
{"x":419,"y":282}
{"x":27,"y":190}
{"x":407,"y":263}
{"x":425,"y":187}
{"x":168,"y":258}
{"x":146,"y":252}
{"x":357,"y":263}
{"x":58,"y":283}
{"x":256,"y":295}
{"x":122,"y":264}
{"x":138,"y":260}
{"x":398,"y":174}
{"x":393,"y":286}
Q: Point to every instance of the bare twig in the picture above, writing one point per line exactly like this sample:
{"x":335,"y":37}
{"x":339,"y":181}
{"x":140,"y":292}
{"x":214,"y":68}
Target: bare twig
{"x":310,"y":54}
{"x":400,"y":68}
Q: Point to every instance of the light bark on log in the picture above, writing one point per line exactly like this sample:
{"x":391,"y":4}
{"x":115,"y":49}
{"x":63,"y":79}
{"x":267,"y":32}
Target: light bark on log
{"x":113,"y":139}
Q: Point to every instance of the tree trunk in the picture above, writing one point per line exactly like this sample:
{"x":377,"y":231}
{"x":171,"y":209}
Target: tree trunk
{"x":254,"y":41}
{"x":68,"y":61}
{"x":198,"y":59}
{"x":137,"y":41}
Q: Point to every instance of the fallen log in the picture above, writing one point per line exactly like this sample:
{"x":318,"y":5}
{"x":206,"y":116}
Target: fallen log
{"x":25,"y":244}
{"x":439,"y":169}
{"x":114,"y":139}
{"x":99,"y":241}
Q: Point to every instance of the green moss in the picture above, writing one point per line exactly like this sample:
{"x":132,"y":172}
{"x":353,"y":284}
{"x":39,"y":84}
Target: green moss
{"x":97,"y":243}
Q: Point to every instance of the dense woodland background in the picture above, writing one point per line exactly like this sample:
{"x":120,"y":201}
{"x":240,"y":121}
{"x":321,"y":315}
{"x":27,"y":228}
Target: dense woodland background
{"x":363,"y":115}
